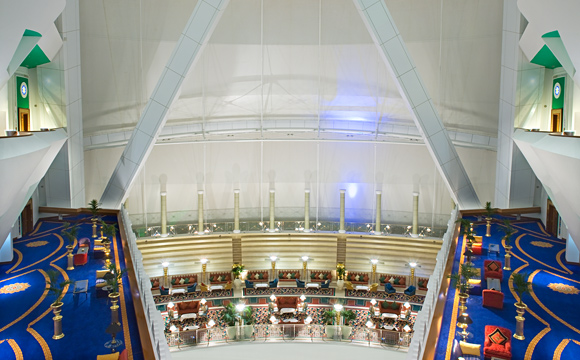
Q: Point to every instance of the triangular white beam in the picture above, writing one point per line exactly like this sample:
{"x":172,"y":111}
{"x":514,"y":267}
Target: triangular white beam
{"x":197,"y":32}
{"x":558,"y":48}
{"x":386,"y":36}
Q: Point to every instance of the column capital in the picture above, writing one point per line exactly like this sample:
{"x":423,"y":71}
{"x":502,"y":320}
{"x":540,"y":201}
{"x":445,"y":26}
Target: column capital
{"x":200,"y":192}
{"x":307,"y":191}
{"x":415,"y":193}
{"x":342,"y":191}
{"x":164,"y":193}
{"x":236,"y":191}
{"x":379,"y":192}
{"x":272,"y":191}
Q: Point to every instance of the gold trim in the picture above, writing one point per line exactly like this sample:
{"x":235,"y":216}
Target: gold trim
{"x":511,"y":287}
{"x":36,"y":230}
{"x":564,"y":288}
{"x":42,"y":342}
{"x":537,"y":234}
{"x":558,"y":256}
{"x":20,"y":257}
{"x":32,"y":307}
{"x":39,"y":235}
{"x":541,"y":244}
{"x":560,"y":349}
{"x":453,"y":324}
{"x":6,"y":288}
{"x":563,"y":277}
{"x":531,"y":257}
{"x":48,"y":256}
{"x":534,"y":342}
{"x":16,"y":349}
{"x":126,"y":333}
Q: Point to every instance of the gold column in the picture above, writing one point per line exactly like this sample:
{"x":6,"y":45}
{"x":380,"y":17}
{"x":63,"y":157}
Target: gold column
{"x":378,"y":217}
{"x":165,"y":275}
{"x":374,"y":272}
{"x":272,"y":210}
{"x":520,"y":310}
{"x":412,"y":280}
{"x":342,"y":205}
{"x":507,"y":262}
{"x":94,"y":220}
{"x":57,"y":319}
{"x":415,"y":231}
{"x":488,"y":227}
{"x":236,"y":211}
{"x":163,"y":214}
{"x":70,"y":264}
{"x":200,"y":228}
{"x":114,"y":308}
{"x":203,"y":268}
{"x":306,"y":210}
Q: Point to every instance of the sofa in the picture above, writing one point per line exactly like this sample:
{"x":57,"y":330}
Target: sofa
{"x":80,"y":259}
{"x":493,"y":299}
{"x":498,"y":342}
{"x":395,"y":280}
{"x":320,"y":275}
{"x":493,"y":269}
{"x":114,"y":356}
{"x":178,"y":281}
{"x":100,"y":282}
{"x":154,"y":283}
{"x":457,"y":351}
{"x":389,"y":307}
{"x":187,"y":307}
{"x":422,"y":283}
{"x":258,"y":275}
{"x":288,"y":275}
{"x":290,"y":302}
{"x":476,"y":248}
{"x":358,"y":278}
{"x":220,"y":278}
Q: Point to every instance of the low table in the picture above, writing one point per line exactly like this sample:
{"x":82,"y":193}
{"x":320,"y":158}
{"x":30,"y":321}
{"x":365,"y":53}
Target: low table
{"x":83,"y":250}
{"x":389,"y":315}
{"x":361,"y":288}
{"x":188,"y":316}
{"x":287,"y":311}
{"x":493,"y":248}
{"x":261,"y":286}
{"x":178,"y":291}
{"x":312,"y":286}
{"x":81,"y":286}
{"x":216,"y":287}
{"x":494,"y":284}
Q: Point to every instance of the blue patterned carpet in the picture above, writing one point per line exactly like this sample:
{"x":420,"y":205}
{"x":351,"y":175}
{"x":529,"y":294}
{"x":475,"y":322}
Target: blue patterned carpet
{"x":552,"y":325}
{"x":26,"y":325}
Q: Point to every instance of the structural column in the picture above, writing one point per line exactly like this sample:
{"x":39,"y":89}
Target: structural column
{"x":163,"y":213}
{"x":200,"y":212}
{"x":306,"y":210}
{"x":378,"y":219}
{"x":236,"y":211}
{"x":341,"y":229}
{"x":272,"y":208}
{"x":415,"y":230}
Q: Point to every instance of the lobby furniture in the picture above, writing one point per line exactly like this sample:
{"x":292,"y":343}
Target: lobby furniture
{"x":300,"y":284}
{"x":492,"y":269}
{"x":390,"y":307}
{"x":410,"y":291}
{"x":258,"y":276}
{"x":80,"y":259}
{"x":261,"y":286}
{"x":493,"y":248}
{"x":361,"y":287}
{"x":422,"y":283}
{"x":228,"y":286}
{"x":154,"y":283}
{"x":163,"y":291}
{"x":192,"y":288}
{"x":183,"y":280}
{"x":123,"y":355}
{"x":83,"y":250}
{"x":457,"y":352}
{"x":312,"y":286}
{"x":494,"y":284}
{"x":220,"y":277}
{"x":81,"y":287}
{"x":498,"y":342}
{"x":288,"y":275}
{"x":320,"y":275}
{"x":325,"y":285}
{"x":475,"y":287}
{"x":287,"y":302}
{"x":348,"y":285}
{"x":360,"y":278}
{"x":100,"y":283}
{"x":389,"y":289}
{"x":374,"y":287}
{"x":187,"y":307}
{"x":249,"y":284}
{"x":395,"y":280}
{"x":216,"y":287}
{"x":273,"y":283}
{"x":476,"y":248}
{"x":85,"y":242}
{"x":493,"y":299}
{"x":178,"y":291}
{"x":203,"y":287}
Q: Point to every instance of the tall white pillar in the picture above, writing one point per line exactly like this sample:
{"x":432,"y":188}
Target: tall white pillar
{"x":378,"y":218}
{"x":200,"y":228}
{"x":272,"y":209}
{"x":163,"y":214}
{"x":415,"y":230}
{"x":306,"y":210}
{"x":236,"y":211}
{"x":341,"y":229}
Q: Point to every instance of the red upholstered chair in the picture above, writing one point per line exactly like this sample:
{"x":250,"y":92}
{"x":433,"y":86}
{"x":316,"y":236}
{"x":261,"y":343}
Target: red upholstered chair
{"x":498,"y":342}
{"x":80,"y":259}
{"x":492,"y":269}
{"x":476,"y":248}
{"x":493,"y":298}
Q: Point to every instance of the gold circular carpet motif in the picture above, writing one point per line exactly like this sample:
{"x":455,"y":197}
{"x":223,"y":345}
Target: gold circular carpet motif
{"x":563,"y":288}
{"x":14,"y":288}
{"x":542,"y":244}
{"x":37,"y":243}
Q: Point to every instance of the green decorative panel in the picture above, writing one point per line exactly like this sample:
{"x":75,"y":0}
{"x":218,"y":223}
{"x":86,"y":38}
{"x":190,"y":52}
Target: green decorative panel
{"x":558,"y":86}
{"x":35,"y":57}
{"x":22,"y":98}
{"x":546,"y":58}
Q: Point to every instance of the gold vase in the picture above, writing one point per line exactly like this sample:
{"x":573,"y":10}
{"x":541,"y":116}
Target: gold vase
{"x":70,"y":264}
{"x":488,"y":227}
{"x":520,"y":310}
{"x":114,"y":296}
{"x":57,"y":319}
{"x":462,"y":301}
{"x":94,"y":220}
{"x":507,"y":263}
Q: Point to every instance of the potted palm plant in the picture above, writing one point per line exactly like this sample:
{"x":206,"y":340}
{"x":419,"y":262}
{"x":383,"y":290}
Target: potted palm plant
{"x":114,"y":281}
{"x":247,"y":316}
{"x":56,"y":288}
{"x":340,"y":272}
{"x":348,"y":316}
{"x":70,"y":233}
{"x":230,"y":317}
{"x":329,"y":316}
{"x":461,"y":282}
{"x":94,"y":207}
{"x":465,"y":230}
{"x":521,"y":286}
{"x":489,"y":212}
{"x":508,"y":231}
{"x":108,"y":233}
{"x":237,"y":270}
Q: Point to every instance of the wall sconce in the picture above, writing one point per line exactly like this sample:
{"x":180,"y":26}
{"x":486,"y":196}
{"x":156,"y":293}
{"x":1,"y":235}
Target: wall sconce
{"x":338,"y":309}
{"x":165,"y":265}
{"x":273,"y":259}
{"x":204,"y":263}
{"x":412,"y":265}
{"x":374,"y":263}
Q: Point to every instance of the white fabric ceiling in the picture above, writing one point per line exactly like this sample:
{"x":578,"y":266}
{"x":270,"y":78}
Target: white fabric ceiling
{"x":308,"y":65}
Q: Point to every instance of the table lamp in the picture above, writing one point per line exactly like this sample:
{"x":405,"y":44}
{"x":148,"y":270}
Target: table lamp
{"x":463,"y":321}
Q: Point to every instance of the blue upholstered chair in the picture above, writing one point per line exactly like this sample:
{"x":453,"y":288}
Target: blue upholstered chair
{"x":273,"y":283}
{"x":249,"y":284}
{"x":389,"y":289}
{"x":163,"y":291}
{"x":300,"y":284}
{"x":325,"y":285}
{"x":192,"y":288}
{"x":410,"y":290}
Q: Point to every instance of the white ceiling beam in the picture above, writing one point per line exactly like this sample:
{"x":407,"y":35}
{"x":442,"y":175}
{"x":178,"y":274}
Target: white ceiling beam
{"x":194,"y":36}
{"x":387,"y":38}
